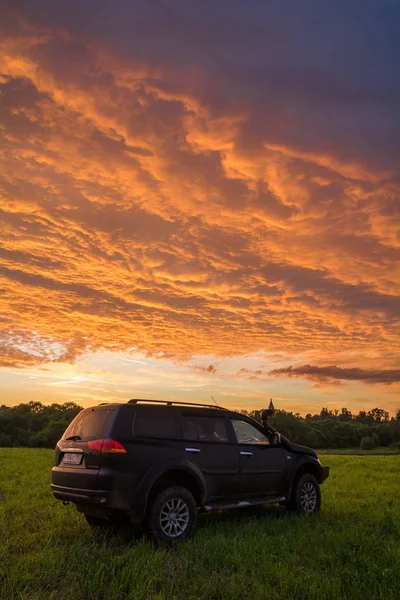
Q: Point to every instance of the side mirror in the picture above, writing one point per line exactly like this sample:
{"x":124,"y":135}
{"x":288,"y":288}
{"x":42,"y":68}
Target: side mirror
{"x":276,"y":439}
{"x":265,"y":414}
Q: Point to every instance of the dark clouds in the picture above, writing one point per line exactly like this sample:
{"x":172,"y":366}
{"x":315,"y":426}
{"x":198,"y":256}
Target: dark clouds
{"x":327,"y":72}
{"x":333,"y":372}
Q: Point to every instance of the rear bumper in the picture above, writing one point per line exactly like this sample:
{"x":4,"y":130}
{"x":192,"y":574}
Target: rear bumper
{"x":324,"y":473}
{"x":80,"y":496}
{"x":104,"y":488}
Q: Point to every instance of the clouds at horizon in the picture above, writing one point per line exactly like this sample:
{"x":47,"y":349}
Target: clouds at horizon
{"x":194,"y":180}
{"x":332,"y":373}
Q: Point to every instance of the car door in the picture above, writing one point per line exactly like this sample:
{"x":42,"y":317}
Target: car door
{"x":262,"y":465}
{"x":209,"y":446}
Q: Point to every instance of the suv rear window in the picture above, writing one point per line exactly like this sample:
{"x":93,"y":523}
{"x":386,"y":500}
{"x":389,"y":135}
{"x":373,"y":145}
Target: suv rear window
{"x":90,"y":424}
{"x":205,"y":429}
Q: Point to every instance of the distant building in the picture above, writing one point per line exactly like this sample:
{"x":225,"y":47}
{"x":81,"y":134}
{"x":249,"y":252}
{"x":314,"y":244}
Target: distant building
{"x":267,"y":412}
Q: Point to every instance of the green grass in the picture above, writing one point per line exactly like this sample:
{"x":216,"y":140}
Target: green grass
{"x":380,"y":451}
{"x":351,"y":550}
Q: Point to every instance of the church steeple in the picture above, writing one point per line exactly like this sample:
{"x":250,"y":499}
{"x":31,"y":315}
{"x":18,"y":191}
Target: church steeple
{"x":271,"y":406}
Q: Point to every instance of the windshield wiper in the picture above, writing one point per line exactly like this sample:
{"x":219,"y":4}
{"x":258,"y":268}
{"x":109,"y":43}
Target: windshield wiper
{"x":73,"y":438}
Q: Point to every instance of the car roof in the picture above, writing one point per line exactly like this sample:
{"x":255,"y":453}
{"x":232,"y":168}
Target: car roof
{"x":181,"y":407}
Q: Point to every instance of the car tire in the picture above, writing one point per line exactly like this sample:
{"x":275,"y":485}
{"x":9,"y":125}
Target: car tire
{"x":306,"y":498}
{"x":172,"y":516}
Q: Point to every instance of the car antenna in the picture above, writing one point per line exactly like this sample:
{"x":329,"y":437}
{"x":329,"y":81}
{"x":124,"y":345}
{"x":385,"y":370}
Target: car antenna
{"x":212,"y":398}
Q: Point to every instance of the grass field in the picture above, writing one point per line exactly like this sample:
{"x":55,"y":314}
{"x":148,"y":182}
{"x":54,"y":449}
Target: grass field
{"x":380,"y":451}
{"x":351,"y":550}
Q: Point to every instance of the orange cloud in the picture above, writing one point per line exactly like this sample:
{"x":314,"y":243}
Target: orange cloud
{"x":135,"y":212}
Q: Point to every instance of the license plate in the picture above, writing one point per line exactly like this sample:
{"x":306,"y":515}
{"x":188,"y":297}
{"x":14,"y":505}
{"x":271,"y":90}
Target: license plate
{"x":72,"y":458}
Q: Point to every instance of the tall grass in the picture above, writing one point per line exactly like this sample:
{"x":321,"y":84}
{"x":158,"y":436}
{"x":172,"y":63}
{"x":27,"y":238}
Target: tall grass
{"x":351,"y":550}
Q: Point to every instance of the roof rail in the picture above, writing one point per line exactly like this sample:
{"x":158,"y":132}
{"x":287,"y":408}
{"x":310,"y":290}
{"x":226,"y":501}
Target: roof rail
{"x":172,"y":402}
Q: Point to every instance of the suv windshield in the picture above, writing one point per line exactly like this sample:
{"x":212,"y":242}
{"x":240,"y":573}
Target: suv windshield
{"x":89,"y":425}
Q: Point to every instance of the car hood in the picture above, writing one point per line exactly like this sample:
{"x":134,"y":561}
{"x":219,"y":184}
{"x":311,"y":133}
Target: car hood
{"x":297,"y":449}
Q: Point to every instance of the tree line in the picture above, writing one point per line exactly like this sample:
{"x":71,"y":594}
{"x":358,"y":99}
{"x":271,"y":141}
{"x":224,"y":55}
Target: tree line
{"x":337,"y":428}
{"x":37,"y":425}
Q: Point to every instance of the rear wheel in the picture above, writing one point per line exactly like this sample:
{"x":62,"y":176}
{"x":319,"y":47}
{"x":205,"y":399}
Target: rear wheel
{"x":306,"y":497}
{"x":172,"y":515}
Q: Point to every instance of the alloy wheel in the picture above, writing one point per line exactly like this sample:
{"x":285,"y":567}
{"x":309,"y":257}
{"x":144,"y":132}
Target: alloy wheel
{"x":174,"y":517}
{"x":308,"y":497}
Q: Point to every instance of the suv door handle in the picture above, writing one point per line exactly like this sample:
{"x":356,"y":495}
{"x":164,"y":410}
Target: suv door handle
{"x":246,"y":453}
{"x":193,"y":450}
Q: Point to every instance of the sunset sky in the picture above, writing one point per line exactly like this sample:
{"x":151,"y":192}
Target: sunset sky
{"x":200,"y":199}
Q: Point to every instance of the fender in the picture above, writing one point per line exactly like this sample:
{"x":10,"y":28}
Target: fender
{"x":198,"y":475}
{"x":297,"y":464}
{"x":139,"y":503}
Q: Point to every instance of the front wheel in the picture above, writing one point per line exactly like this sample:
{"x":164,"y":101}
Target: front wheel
{"x":306,"y":498}
{"x":172,"y":515}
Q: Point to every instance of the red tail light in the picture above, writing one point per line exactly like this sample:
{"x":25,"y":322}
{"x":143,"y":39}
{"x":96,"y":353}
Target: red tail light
{"x":96,"y":445}
{"x":106,"y":446}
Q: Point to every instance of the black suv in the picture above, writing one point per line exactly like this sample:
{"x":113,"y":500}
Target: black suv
{"x":160,"y":462}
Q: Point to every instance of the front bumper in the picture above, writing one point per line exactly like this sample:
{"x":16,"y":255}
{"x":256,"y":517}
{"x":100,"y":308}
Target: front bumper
{"x":324,"y":473}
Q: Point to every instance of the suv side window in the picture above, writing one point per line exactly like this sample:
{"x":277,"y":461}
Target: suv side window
{"x":155,"y":425}
{"x":248,"y":434}
{"x":205,"y":429}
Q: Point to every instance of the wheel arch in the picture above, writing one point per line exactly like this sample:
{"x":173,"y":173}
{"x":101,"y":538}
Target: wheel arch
{"x":305,"y":467}
{"x":169,"y":473}
{"x":176,"y":477}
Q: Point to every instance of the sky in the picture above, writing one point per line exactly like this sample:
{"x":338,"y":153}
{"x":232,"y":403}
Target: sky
{"x":200,"y":199}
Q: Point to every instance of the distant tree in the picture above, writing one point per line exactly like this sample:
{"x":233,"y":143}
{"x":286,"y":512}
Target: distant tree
{"x":35,"y":407}
{"x":367,"y":443}
{"x":5,"y":440}
{"x":325,"y":413}
{"x":361,"y":417}
{"x":378,"y":415}
{"x":345,"y":415}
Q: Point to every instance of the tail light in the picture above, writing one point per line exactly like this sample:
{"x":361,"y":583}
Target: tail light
{"x":106,"y":446}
